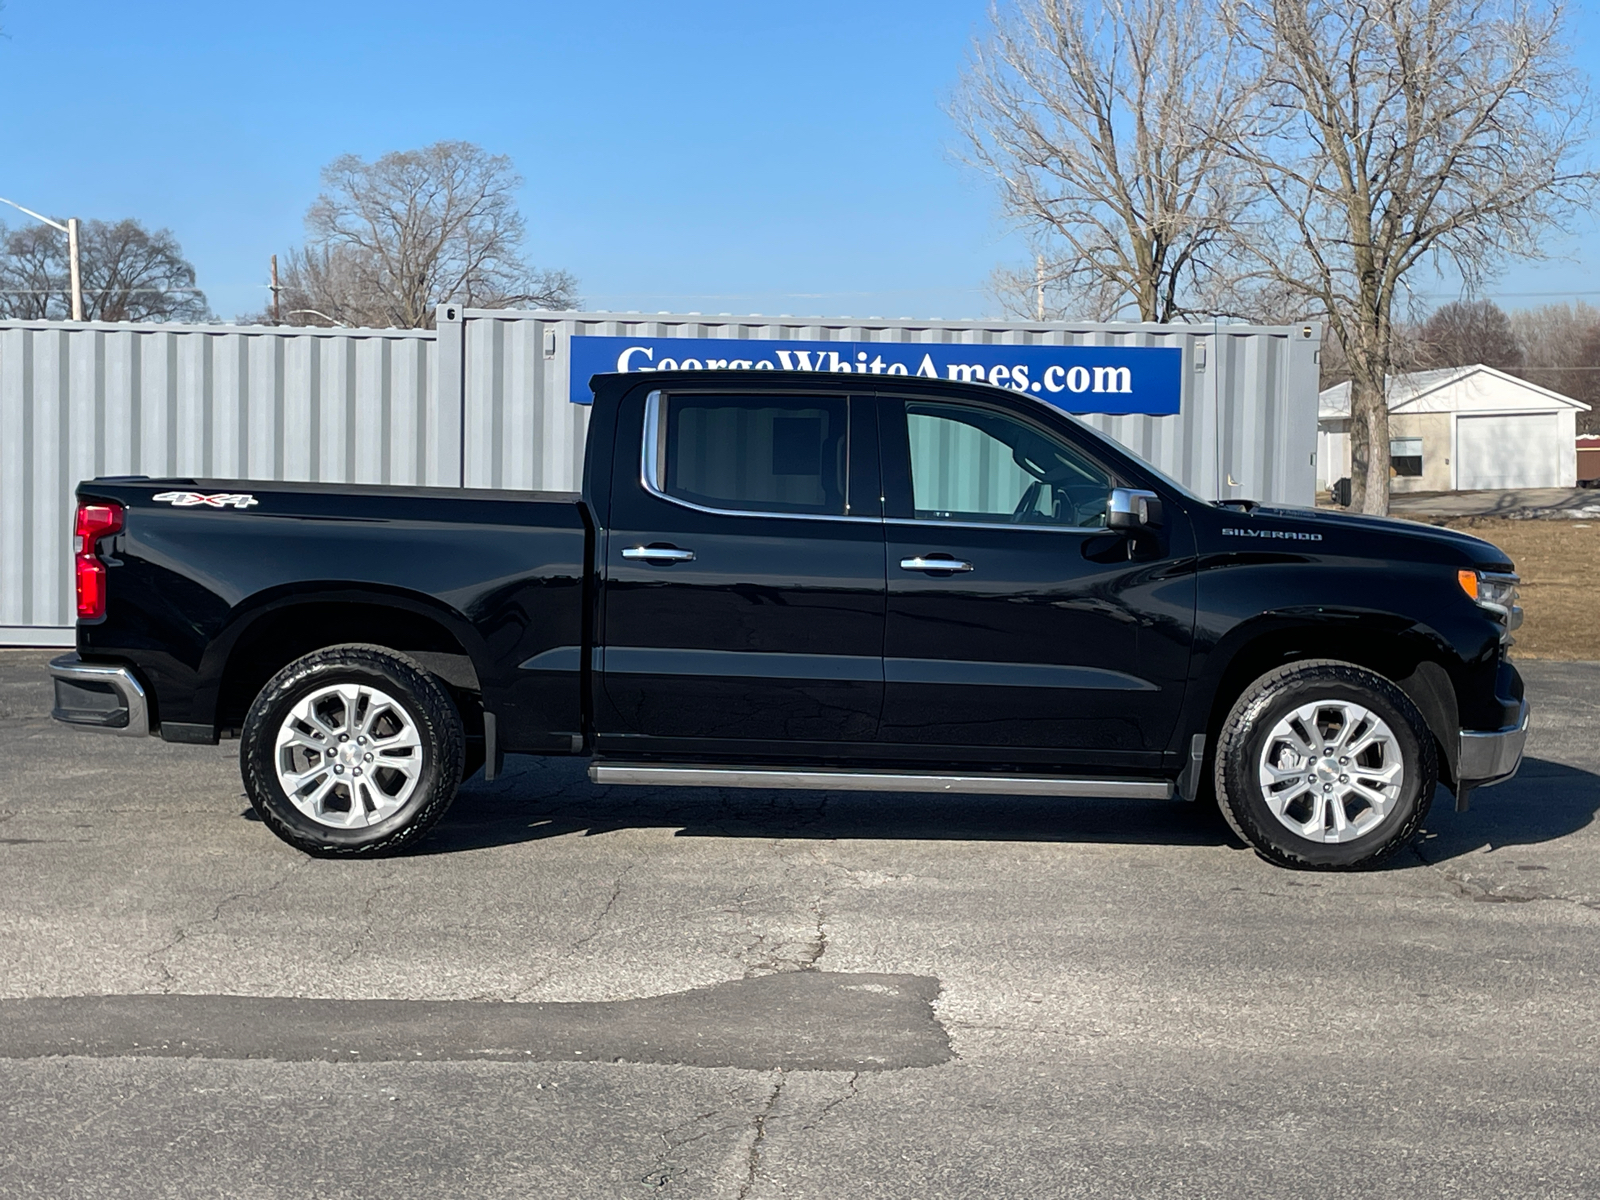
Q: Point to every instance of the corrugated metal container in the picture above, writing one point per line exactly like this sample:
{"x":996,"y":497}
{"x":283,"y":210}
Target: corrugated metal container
{"x":78,"y":401}
{"x":485,"y":401}
{"x":1246,"y":426}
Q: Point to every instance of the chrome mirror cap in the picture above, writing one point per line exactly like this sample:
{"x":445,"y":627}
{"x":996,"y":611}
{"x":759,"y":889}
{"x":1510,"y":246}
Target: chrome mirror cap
{"x":1130,"y":508}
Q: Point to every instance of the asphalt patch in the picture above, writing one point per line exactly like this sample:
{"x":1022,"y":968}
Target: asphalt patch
{"x":796,"y":1020}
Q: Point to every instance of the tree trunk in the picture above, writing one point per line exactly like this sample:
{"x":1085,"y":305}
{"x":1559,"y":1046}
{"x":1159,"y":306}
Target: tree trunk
{"x":1369,"y":441}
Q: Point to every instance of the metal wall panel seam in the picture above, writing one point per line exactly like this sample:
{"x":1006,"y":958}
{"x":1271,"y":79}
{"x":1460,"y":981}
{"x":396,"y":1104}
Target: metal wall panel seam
{"x":16,"y":493}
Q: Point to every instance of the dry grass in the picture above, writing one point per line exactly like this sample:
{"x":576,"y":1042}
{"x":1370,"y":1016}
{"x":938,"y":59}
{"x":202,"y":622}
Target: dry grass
{"x":1558,"y":562}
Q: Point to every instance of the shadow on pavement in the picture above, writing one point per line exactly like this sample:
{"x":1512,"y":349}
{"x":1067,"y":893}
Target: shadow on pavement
{"x":1547,"y":800}
{"x":544,"y":798}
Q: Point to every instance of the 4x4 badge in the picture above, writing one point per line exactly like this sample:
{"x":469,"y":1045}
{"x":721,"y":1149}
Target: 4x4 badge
{"x":217,"y":500}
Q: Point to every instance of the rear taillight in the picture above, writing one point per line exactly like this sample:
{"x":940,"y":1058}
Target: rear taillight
{"x":95,"y":521}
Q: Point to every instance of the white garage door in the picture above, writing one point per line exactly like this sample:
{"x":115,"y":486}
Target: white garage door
{"x":1508,"y":452}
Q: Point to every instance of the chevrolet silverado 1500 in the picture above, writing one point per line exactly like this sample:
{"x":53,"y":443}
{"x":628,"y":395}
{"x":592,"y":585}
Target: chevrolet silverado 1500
{"x":776,"y":579}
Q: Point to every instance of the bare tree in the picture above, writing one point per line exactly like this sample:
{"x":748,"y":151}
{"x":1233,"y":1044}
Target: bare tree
{"x":1389,"y":133}
{"x":1466,"y":332}
{"x":1582,"y":380}
{"x":1561,"y":345}
{"x":391,"y":240}
{"x":129,"y":274}
{"x":1106,"y":128}
{"x":33,"y":283}
{"x":1407,"y":351}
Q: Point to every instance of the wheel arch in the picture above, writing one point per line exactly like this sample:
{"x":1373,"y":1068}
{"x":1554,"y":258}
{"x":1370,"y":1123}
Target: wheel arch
{"x":275,"y":630}
{"x":1413,"y":657}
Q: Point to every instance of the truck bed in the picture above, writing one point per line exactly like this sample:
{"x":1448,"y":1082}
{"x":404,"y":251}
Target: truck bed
{"x":213,"y":581}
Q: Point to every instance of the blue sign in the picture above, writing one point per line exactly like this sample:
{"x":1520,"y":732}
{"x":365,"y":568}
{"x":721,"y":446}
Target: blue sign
{"x":1079,"y":379}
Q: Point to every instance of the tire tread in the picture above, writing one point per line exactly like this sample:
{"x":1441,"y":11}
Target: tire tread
{"x":439,"y":711}
{"x":1242,"y":719}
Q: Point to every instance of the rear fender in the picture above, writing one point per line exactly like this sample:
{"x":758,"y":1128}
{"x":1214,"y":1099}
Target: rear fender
{"x":351,"y":607}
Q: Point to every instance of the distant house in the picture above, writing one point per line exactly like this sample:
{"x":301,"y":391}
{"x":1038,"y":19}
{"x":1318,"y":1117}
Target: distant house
{"x":1461,"y":429}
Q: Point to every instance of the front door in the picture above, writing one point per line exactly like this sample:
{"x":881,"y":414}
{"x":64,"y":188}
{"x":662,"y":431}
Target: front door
{"x":1019,"y":626}
{"x":743,"y":588}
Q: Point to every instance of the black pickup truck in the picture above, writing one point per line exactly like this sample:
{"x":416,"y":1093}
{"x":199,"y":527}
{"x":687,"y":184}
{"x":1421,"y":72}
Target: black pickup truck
{"x":787,"y":580}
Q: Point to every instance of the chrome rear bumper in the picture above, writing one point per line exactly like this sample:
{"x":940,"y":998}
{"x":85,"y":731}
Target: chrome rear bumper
{"x":99,"y":696}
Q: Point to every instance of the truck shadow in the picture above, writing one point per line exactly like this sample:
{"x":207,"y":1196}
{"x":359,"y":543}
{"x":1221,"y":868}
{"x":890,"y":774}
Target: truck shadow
{"x":544,"y":798}
{"x":1546,"y":801}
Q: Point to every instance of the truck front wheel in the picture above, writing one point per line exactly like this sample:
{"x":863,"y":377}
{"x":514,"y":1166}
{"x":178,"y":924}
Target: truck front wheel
{"x":1325,"y":765}
{"x":351,"y":751}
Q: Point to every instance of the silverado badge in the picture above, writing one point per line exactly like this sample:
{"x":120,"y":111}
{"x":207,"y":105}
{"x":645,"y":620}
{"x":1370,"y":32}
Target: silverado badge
{"x":1291,"y":534}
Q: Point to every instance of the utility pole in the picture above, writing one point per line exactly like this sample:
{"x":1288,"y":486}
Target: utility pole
{"x":71,"y":230}
{"x":77,"y":276}
{"x":277,"y":318}
{"x":1038,"y":283}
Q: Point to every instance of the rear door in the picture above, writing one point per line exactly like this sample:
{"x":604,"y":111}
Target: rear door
{"x":743,"y":586}
{"x":1019,"y":626}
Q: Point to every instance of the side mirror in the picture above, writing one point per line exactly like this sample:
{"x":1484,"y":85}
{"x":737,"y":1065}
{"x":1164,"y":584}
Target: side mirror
{"x":1132,"y":509}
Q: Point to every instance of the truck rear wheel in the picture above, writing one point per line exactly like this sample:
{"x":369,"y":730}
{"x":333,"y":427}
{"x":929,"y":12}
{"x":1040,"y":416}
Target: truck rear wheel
{"x":1325,"y":765}
{"x":351,"y":751}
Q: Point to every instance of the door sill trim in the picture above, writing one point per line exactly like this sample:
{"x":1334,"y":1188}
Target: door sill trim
{"x":666,"y":775}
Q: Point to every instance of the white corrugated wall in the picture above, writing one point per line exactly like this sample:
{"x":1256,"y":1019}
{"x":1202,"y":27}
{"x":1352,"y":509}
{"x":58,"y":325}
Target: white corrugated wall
{"x":1246,"y":426}
{"x":484,"y":402}
{"x":221,"y":402}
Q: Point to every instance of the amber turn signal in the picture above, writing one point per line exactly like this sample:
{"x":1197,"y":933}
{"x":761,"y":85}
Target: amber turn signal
{"x":1469,"y":582}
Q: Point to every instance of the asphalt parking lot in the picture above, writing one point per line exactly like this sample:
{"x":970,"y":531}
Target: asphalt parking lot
{"x":581,"y":991}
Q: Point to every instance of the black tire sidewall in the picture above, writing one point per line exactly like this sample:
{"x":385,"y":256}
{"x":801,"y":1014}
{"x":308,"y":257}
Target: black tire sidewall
{"x":1241,"y":757}
{"x":408,"y":684}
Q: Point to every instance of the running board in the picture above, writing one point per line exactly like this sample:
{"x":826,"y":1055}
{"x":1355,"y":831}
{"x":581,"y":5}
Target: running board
{"x":660,"y":775}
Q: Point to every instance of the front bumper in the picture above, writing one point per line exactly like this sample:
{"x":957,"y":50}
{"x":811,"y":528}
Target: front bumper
{"x":100,"y":696}
{"x":1486,"y":758}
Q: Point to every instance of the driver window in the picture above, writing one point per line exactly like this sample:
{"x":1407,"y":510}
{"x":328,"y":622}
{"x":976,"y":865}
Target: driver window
{"x":974,"y":464}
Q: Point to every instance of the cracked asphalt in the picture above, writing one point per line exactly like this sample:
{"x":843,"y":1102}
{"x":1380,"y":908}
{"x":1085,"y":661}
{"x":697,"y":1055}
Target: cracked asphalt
{"x":581,"y":991}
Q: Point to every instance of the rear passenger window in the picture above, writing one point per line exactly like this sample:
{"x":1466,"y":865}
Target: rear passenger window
{"x":775,"y":454}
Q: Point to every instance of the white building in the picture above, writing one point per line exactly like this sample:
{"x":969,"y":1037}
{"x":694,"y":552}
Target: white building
{"x":1460,"y":429}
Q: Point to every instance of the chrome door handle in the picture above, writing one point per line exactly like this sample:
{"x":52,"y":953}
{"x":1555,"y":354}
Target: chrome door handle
{"x":934,"y":564}
{"x":658,"y":554}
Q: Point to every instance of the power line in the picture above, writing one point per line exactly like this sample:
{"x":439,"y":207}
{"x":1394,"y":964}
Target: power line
{"x":114,"y":291}
{"x":1498,"y":295}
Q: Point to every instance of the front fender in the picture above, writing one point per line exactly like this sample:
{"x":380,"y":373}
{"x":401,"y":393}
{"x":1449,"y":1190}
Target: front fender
{"x":1416,"y":656}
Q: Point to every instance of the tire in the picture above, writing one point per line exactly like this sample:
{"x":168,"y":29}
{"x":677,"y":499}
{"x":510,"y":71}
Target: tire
{"x":356,"y":798}
{"x":1284,"y":794}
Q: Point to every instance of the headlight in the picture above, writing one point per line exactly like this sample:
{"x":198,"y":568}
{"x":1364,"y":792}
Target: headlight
{"x":1494,"y":591}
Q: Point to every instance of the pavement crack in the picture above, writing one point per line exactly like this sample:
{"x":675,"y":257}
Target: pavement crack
{"x":666,"y":1170}
{"x":770,"y":951}
{"x":1466,"y":886}
{"x":851,"y":1092}
{"x":611,"y":902}
{"x":157,"y":957}
{"x":818,"y":945}
{"x":593,"y":932}
{"x":367,"y":920}
{"x":753,"y":1161}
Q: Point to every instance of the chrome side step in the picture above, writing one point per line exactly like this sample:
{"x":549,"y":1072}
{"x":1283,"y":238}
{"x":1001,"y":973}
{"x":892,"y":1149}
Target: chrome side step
{"x":663,"y":775}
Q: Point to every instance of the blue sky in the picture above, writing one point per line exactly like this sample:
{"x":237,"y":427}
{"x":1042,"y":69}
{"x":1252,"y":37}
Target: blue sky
{"x":713,"y":156}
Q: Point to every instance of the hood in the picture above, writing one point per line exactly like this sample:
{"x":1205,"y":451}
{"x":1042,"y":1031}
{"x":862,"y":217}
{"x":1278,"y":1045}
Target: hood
{"x":1378,"y":535}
